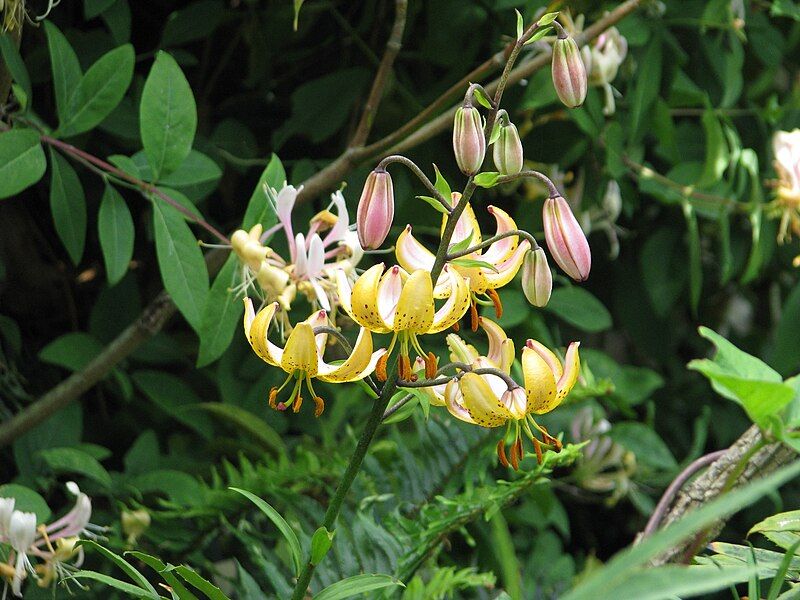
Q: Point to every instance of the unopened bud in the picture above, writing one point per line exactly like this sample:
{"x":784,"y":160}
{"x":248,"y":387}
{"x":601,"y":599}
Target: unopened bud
{"x":612,"y":201}
{"x":537,"y":280}
{"x":507,"y":151}
{"x":469,"y":143}
{"x":569,"y":72}
{"x":135,"y":523}
{"x":375,"y":209}
{"x":247,"y":247}
{"x":565,"y":239}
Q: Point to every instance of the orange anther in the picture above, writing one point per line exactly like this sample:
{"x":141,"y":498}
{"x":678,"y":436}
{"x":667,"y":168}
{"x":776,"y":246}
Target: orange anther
{"x":431,"y":365}
{"x":380,"y":368}
{"x":319,"y":406}
{"x":501,"y":453}
{"x":273,"y":394}
{"x":298,"y":402}
{"x":473,"y":316}
{"x":498,"y":306}
{"x":538,"y":448}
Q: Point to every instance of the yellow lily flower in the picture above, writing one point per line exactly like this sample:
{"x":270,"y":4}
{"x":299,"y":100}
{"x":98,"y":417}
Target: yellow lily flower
{"x":403,"y":303}
{"x":503,"y":258}
{"x":302,"y":356}
{"x":488,"y":400}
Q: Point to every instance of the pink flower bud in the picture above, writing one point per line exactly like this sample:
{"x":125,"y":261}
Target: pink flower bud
{"x":537,"y":280}
{"x":569,"y":72}
{"x":375,"y":209}
{"x":507,"y":151}
{"x":469,"y":143}
{"x":565,"y":239}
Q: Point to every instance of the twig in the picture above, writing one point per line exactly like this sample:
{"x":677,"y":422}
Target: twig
{"x":396,"y":406}
{"x":488,"y":242}
{"x":674,"y":487}
{"x":393,"y":46}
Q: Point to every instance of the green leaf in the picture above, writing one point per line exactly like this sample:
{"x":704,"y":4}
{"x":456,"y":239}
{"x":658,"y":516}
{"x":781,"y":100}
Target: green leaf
{"x":677,"y":581}
{"x":117,"y":18}
{"x":297,"y":5}
{"x":99,"y":91}
{"x":624,"y":567}
{"x":205,"y":586}
{"x":68,"y":206}
{"x":434,"y":203}
{"x":486,"y":179}
{"x":547,"y":18}
{"x":441,"y":184}
{"x":167,"y":116}
{"x":717,"y":155}
{"x":220,"y":314}
{"x":246,"y":422}
{"x":116,"y":232}
{"x":66,"y":68}
{"x":72,"y":351}
{"x":785,"y":8}
{"x":175,"y":398}
{"x":520,"y":24}
{"x":356,"y":585}
{"x":579,"y":308}
{"x":695,"y":266}
{"x":22,"y":161}
{"x":73,"y":460}
{"x":785,"y":354}
{"x":181,"y":263}
{"x":474,"y":263}
{"x":122,"y":586}
{"x":645,"y":443}
{"x":321,"y":542}
{"x":615,"y":139}
{"x":15,"y":65}
{"x":785,"y":521}
{"x":165,"y":571}
{"x":26,"y":500}
{"x":92,"y":8}
{"x":729,"y":360}
{"x":648,"y":82}
{"x":539,"y":34}
{"x":280,"y":523}
{"x":197,"y":176}
{"x":463,"y":244}
{"x":196,"y":21}
{"x":482,"y":98}
{"x":259,"y":209}
{"x":123,"y":564}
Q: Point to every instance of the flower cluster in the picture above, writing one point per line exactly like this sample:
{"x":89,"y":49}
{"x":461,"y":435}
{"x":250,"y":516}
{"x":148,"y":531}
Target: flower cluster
{"x":52,"y":547}
{"x":430,"y":289}
{"x":786,"y":206}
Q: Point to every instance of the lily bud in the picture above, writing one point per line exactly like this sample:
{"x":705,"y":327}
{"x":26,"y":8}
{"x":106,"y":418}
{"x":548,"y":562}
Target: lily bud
{"x":469,"y":143}
{"x":565,"y":239}
{"x":569,"y":72}
{"x":507,"y":151}
{"x":537,"y":280}
{"x":375,"y":209}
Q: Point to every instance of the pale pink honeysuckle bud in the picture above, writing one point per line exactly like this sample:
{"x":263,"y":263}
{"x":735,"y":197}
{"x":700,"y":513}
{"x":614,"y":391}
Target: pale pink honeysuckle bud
{"x":537,"y":280}
{"x":469,"y":143}
{"x":565,"y":239}
{"x":786,"y":150}
{"x":569,"y":72}
{"x":375,"y":209}
{"x":507,"y":150}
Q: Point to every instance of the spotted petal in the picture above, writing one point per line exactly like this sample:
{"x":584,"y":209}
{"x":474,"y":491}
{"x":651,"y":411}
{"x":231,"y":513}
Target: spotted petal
{"x":256,"y":328}
{"x":456,"y":305}
{"x":358,"y":365}
{"x":454,"y":401}
{"x":481,"y":402}
{"x":300,"y":352}
{"x":363,"y":301}
{"x":415,"y":309}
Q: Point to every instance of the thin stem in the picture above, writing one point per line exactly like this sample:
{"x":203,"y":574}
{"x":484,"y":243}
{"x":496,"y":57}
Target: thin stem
{"x":337,"y":334}
{"x":423,"y":383}
{"x":669,"y":494}
{"x":143,"y":186}
{"x":335,"y":505}
{"x":488,"y":242}
{"x":396,"y":406}
{"x":551,"y":187}
{"x":411,"y":165}
{"x":393,"y":46}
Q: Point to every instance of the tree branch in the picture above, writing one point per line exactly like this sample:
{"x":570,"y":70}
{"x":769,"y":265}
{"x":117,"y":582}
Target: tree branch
{"x":750,"y":457}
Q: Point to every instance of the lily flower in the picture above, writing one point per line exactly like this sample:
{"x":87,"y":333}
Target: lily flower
{"x":302,"y":356}
{"x":490,"y":401}
{"x":487,"y":270}
{"x":403,"y":303}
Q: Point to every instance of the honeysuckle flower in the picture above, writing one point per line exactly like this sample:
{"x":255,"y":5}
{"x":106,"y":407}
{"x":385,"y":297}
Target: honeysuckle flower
{"x":491,"y":401}
{"x":21,"y":535}
{"x":565,"y":239}
{"x":76,"y":521}
{"x":403,"y":303}
{"x":375,"y":209}
{"x":6,"y":509}
{"x":487,"y":270}
{"x":786,"y":150}
{"x":302,"y":356}
{"x":602,"y":58}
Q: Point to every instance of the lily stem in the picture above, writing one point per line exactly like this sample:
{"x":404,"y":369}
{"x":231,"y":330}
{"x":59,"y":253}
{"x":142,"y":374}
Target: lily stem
{"x":489,"y":241}
{"x":551,"y":187}
{"x":353,"y":467}
{"x":412,"y":166}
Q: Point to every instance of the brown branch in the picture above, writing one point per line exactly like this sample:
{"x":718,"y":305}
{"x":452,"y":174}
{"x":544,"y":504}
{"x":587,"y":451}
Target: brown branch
{"x":393,"y":46}
{"x":749,"y":458}
{"x":72,"y":388}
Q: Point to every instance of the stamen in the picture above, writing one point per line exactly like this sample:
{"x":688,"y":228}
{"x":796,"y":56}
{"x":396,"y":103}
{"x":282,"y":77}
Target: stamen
{"x":514,"y":456}
{"x":298,"y":402}
{"x":537,"y":447}
{"x":431,"y":365}
{"x":501,"y":453}
{"x":273,"y":394}
{"x":404,"y":367}
{"x":498,"y":306}
{"x":380,"y":368}
{"x":456,"y":326}
{"x":473,"y":316}
{"x":319,"y":406}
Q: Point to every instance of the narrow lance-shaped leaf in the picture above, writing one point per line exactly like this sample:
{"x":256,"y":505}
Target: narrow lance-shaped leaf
{"x":15,"y":65}
{"x":68,"y":205}
{"x":167,"y":116}
{"x":66,"y":68}
{"x":181,"y":263}
{"x":220,"y":314}
{"x":116,"y":233}
{"x":22,"y":161}
{"x":357,"y":585}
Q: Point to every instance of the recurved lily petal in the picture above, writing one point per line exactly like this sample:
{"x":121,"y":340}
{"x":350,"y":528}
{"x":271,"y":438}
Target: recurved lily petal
{"x":300,"y":352}
{"x":415,"y":309}
{"x":363,"y":300}
{"x":501,"y":250}
{"x":547,"y":383}
{"x":466,"y":225}
{"x":501,"y":347}
{"x":411,"y":254}
{"x":454,"y":401}
{"x":256,"y":328}
{"x":506,"y":270}
{"x":457,"y":302}
{"x":481,"y":402}
{"x":361,"y":362}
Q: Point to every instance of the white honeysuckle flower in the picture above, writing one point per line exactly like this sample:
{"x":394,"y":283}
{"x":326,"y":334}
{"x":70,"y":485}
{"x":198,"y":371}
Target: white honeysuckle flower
{"x":21,"y":535}
{"x":6,"y":509}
